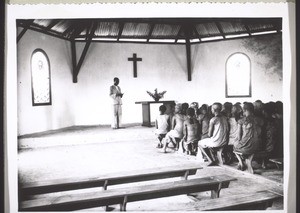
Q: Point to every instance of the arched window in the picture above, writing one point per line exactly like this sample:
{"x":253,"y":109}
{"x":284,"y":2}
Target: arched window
{"x":238,"y":76}
{"x":40,"y":78}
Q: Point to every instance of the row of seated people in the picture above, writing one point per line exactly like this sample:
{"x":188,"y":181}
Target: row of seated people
{"x":250,"y":129}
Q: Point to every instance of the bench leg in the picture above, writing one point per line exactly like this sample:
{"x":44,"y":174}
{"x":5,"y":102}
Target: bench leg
{"x":241,"y":163}
{"x":216,"y":192}
{"x":177,"y":140}
{"x":212,"y":154}
{"x":204,"y":153}
{"x":185,"y":176}
{"x":248,"y":161}
{"x":219,"y":156}
{"x":123,"y":205}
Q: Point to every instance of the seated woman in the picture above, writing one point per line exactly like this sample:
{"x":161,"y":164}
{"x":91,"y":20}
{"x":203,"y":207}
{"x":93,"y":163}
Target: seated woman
{"x":191,"y":130}
{"x":176,"y":133}
{"x":249,"y":134}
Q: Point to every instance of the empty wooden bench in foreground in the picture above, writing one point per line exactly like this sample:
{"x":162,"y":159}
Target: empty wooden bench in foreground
{"x":254,"y":201}
{"x":125,"y":195}
{"x":59,"y":185}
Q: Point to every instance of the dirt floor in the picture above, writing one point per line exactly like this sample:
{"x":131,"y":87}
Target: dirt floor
{"x":91,"y":151}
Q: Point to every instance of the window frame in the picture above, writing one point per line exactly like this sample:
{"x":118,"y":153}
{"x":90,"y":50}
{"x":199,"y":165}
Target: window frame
{"x":250,"y":78}
{"x":49,"y":72}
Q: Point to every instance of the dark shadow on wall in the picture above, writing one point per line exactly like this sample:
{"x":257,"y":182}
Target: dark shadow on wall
{"x":270,"y":48}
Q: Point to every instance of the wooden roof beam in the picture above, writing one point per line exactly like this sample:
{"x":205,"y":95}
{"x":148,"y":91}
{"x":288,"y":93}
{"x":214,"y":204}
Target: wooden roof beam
{"x":52,"y":24}
{"x":196,"y":32}
{"x":220,"y":29}
{"x":121,"y":24}
{"x":89,"y":38}
{"x":150,"y":32}
{"x":26,"y":27}
{"x":248,"y":30}
{"x":178,"y":35}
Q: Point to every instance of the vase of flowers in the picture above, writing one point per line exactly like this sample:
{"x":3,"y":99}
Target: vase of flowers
{"x":156,"y":95}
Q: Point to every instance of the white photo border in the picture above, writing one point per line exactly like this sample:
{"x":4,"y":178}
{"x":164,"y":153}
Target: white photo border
{"x":211,"y":10}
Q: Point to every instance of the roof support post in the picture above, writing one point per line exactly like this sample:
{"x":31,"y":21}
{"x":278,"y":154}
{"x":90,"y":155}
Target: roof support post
{"x":188,"y":58}
{"x":188,"y":51}
{"x":74,"y":60}
{"x":84,"y":52}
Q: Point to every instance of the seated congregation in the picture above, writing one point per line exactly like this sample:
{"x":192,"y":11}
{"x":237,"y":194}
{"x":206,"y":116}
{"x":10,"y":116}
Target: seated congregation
{"x":223,"y":133}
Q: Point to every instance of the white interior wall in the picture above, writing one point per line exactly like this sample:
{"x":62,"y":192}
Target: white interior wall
{"x":163,"y":67}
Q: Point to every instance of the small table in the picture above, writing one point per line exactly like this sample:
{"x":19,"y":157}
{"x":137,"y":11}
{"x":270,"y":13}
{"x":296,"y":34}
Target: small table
{"x":146,"y":109}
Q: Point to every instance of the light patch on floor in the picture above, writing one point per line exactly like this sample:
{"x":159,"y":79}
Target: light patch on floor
{"x":95,"y":151}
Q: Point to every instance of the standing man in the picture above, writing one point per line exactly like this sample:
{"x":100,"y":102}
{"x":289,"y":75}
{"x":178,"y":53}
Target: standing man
{"x":116,"y":95}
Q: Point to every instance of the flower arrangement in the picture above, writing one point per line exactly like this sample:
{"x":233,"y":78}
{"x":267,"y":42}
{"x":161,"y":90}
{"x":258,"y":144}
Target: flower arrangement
{"x":156,"y":95}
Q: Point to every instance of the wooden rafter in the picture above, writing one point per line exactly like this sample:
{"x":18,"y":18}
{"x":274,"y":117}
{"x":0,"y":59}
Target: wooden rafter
{"x":248,"y":30}
{"x":52,"y":24}
{"x":121,"y":24}
{"x":277,"y":27}
{"x":178,"y":35}
{"x":89,"y":38}
{"x":220,"y":29}
{"x":39,"y":28}
{"x":196,"y":32}
{"x":68,"y":30}
{"x":26,"y":27}
{"x":150,"y":31}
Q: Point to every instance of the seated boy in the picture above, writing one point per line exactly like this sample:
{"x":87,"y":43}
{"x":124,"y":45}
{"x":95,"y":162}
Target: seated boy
{"x":191,"y":130}
{"x":176,"y":133}
{"x":203,"y":118}
{"x":162,"y":125}
{"x":218,"y":132}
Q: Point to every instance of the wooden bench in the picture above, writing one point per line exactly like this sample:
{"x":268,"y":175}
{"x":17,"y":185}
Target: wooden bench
{"x":125,"y":195}
{"x":278,"y":162}
{"x":59,"y":185}
{"x":254,"y":201}
{"x":249,"y":157}
{"x":217,"y":151}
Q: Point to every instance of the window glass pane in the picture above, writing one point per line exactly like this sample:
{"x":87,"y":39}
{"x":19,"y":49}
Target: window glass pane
{"x":238,"y":75}
{"x":40,"y":79}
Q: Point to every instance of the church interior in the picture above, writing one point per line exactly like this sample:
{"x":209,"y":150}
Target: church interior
{"x":65,"y":141}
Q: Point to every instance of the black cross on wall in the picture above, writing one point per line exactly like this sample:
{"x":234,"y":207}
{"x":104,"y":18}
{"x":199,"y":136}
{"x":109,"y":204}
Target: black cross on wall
{"x":134,"y":59}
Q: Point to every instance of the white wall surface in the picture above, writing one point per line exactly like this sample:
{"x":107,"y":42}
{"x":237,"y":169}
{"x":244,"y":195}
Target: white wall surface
{"x":163,"y":67}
